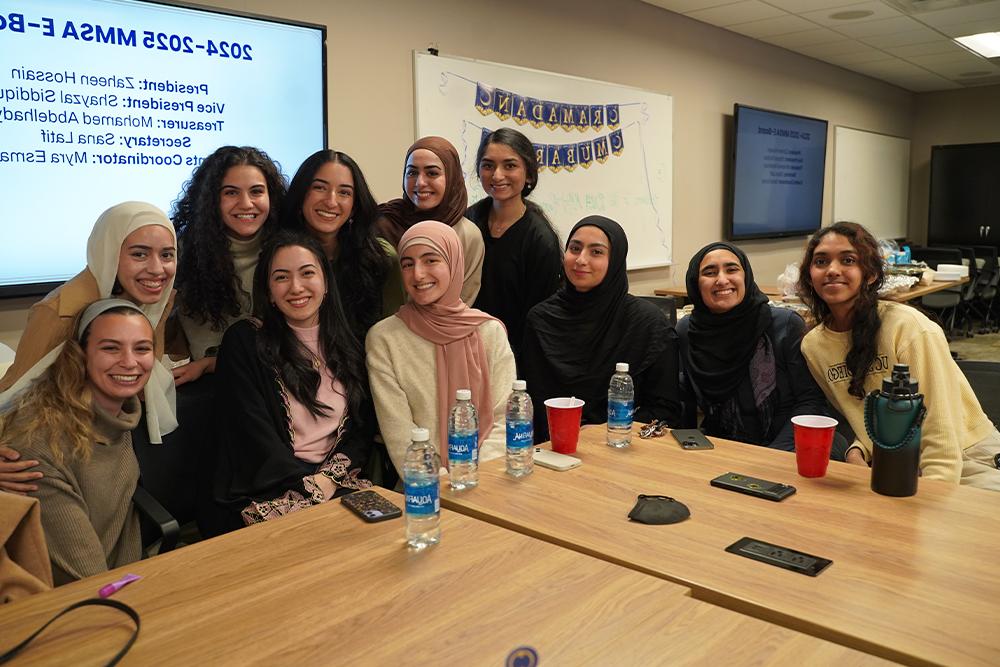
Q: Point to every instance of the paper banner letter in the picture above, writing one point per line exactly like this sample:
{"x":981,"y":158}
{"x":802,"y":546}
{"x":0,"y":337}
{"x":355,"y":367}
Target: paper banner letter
{"x":484,"y":99}
{"x":540,"y":155}
{"x":582,"y":113}
{"x":535,"y":112}
{"x":550,"y":111}
{"x":502,"y":104}
{"x":520,"y":112}
{"x":566,"y":120}
{"x":597,"y":116}
{"x":617,"y":142}
{"x":612,"y":117}
{"x":552,"y":158}
{"x":601,"y":149}
{"x":585,"y":153}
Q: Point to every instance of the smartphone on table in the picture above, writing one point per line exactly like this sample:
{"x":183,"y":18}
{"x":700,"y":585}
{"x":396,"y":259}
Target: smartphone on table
{"x":370,"y":506}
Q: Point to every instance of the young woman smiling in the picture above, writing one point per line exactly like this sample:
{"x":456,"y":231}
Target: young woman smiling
{"x":740,"y":358}
{"x":329,"y":198}
{"x":434,"y":189}
{"x":573,"y":339}
{"x":224,"y":212}
{"x":435,"y":345}
{"x":839,"y":279}
{"x":523,"y":262}
{"x":294,"y":417}
{"x":75,"y":420}
{"x":131,"y":253}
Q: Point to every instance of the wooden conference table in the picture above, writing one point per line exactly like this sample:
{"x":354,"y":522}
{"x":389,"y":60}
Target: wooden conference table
{"x":915,"y":292}
{"x":915,"y":580}
{"x":323,"y":587}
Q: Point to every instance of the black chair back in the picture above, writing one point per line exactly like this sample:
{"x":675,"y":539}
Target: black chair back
{"x":984,"y":376}
{"x":935,"y":256}
{"x":666,"y":304}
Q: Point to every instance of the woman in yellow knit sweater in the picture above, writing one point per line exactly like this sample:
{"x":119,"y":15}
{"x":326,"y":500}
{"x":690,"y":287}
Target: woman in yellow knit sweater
{"x":859,"y":338}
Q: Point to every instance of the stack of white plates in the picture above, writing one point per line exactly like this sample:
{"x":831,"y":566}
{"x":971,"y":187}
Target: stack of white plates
{"x":951,"y":272}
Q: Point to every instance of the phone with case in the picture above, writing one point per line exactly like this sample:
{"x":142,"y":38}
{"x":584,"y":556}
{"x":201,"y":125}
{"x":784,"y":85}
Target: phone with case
{"x":691,"y":439}
{"x":370,"y":506}
{"x":554,"y":460}
{"x":752,"y":486}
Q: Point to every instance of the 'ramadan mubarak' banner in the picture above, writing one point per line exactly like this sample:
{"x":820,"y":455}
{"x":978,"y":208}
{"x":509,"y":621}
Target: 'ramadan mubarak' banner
{"x":505,"y":104}
{"x":570,"y":156}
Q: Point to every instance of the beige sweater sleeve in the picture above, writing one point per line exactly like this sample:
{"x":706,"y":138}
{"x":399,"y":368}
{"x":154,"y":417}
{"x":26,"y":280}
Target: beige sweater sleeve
{"x":75,"y":549}
{"x":474,"y":250}
{"x":502,"y":376}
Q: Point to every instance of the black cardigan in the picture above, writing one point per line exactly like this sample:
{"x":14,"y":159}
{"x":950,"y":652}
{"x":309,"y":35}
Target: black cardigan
{"x":798,"y":393}
{"x":254,"y":431}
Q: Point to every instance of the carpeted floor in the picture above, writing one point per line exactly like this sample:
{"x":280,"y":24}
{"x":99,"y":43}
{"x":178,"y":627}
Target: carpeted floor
{"x":981,"y":347}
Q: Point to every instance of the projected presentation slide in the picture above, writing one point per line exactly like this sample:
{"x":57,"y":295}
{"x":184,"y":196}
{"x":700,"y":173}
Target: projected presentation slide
{"x":104,"y":101}
{"x":778,"y":174}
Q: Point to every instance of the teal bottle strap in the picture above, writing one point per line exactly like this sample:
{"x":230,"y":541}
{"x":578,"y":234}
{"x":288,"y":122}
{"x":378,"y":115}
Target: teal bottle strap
{"x":870,"y":425}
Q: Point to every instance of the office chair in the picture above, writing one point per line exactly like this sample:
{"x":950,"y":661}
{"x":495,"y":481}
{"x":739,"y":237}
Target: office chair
{"x":156,"y":523}
{"x":984,"y":376}
{"x":986,"y":288}
{"x":946,"y":301}
{"x":666,"y":304}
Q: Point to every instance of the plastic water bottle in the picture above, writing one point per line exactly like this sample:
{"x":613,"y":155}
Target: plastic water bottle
{"x":420,"y":479}
{"x":463,"y":442}
{"x":520,"y":432}
{"x":621,"y":404}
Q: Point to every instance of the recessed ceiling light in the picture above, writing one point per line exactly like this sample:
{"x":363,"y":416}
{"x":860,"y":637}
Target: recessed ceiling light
{"x":851,"y":14}
{"x":986,"y":44}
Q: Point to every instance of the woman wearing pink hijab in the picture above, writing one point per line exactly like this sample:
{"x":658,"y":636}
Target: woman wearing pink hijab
{"x":435,"y":345}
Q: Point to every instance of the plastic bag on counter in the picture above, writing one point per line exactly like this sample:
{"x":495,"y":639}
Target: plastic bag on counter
{"x":787,"y":282}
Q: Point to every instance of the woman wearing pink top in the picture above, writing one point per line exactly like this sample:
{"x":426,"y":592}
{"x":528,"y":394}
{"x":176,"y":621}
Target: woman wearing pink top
{"x":295,"y":421}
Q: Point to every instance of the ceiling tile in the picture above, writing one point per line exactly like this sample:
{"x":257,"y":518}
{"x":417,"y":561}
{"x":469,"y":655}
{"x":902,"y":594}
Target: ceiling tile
{"x":955,"y":71}
{"x":918,"y":36}
{"x":922,"y":84}
{"x":776,"y":26}
{"x":893,"y":67}
{"x":923,"y":49}
{"x":682,"y":6}
{"x":878,"y":11}
{"x":850,"y":59}
{"x":986,"y":11}
{"x":740,"y":12}
{"x":973,"y":28}
{"x":967,"y":60}
{"x":835,"y":49}
{"x":877,"y":27}
{"x":799,"y":6}
{"x":793,"y":40}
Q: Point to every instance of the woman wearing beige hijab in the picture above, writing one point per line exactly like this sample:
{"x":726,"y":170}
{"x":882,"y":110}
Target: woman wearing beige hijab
{"x":131,"y":254}
{"x":435,"y":345}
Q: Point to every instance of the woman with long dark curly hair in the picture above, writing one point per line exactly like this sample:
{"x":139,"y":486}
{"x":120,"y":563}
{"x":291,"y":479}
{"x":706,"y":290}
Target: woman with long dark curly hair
{"x":225,"y":211}
{"x":858,"y":339}
{"x":294,"y":415}
{"x":329,"y":198}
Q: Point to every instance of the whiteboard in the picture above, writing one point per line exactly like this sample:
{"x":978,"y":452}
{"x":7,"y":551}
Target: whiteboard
{"x":871,"y":181}
{"x":608,"y":148}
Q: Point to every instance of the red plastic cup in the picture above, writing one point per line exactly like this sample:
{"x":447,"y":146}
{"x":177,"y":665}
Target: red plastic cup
{"x":813,"y":439}
{"x":564,"y":416}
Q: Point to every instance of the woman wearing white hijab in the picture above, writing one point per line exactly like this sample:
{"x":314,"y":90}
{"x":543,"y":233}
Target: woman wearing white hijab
{"x":131,"y":254}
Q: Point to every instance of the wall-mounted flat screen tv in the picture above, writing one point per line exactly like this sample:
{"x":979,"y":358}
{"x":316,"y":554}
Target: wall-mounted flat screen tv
{"x":105,"y":101}
{"x":779,"y":160}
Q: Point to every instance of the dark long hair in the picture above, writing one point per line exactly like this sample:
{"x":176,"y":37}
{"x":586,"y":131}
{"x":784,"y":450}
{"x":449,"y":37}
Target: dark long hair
{"x":864,"y":330}
{"x":279,"y":348}
{"x":206,"y":278}
{"x":362,"y":264}
{"x":525,"y":150}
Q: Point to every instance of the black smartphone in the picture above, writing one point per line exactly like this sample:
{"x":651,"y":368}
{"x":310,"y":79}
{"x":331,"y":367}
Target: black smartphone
{"x":691,"y":438}
{"x":753,"y":486}
{"x":370,"y":506}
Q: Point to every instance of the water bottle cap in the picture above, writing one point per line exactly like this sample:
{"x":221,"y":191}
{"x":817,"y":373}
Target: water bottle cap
{"x":463,"y":394}
{"x":621,"y":367}
{"x":520,"y":385}
{"x":420,"y":435}
{"x":899,"y":384}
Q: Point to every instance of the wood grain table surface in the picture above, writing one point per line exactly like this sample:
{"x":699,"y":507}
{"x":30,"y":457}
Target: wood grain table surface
{"x":323,"y":587}
{"x":914,"y":580}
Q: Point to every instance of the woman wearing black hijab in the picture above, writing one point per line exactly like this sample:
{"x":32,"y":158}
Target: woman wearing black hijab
{"x":740,"y":359}
{"x":573,"y":339}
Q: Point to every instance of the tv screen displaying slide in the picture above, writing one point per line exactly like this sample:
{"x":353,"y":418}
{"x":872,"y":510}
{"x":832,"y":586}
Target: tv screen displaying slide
{"x":779,"y":161}
{"x":104,"y":101}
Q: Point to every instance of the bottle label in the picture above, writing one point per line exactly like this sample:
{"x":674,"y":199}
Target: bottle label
{"x":463,"y":448}
{"x":620,"y":414}
{"x":519,"y":435}
{"x":422,"y":498}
